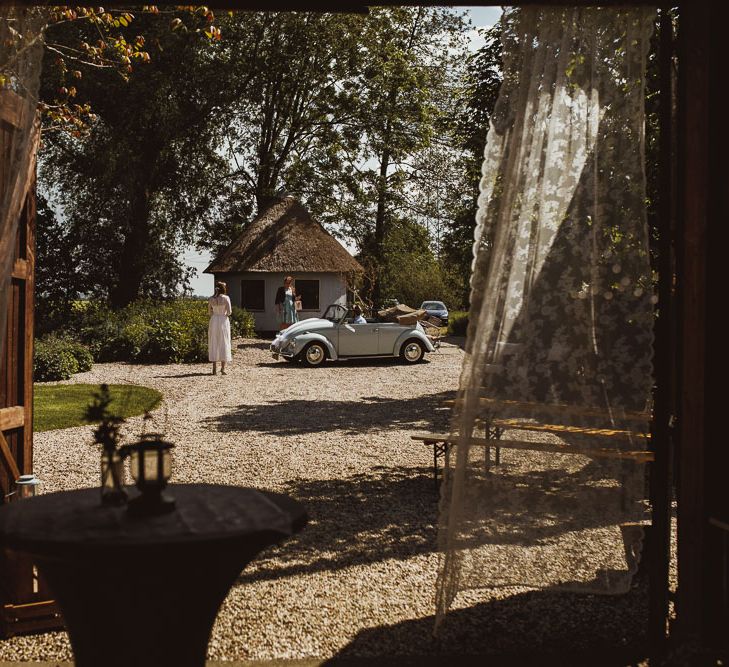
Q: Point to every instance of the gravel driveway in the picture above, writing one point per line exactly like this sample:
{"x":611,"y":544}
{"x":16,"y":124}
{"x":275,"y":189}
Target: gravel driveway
{"x":359,"y":579}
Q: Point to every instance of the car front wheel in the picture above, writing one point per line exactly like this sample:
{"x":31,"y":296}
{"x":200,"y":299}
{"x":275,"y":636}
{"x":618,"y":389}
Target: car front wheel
{"x":314,"y":355}
{"x":412,"y":351}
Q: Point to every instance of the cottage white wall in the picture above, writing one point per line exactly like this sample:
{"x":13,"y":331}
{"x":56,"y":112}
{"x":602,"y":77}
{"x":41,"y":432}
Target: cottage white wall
{"x":332,"y":289}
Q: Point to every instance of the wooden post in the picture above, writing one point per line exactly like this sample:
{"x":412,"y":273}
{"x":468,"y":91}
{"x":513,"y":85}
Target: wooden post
{"x":661,"y":488}
{"x":703,"y":565}
{"x":25,"y":602}
{"x":715,"y":613}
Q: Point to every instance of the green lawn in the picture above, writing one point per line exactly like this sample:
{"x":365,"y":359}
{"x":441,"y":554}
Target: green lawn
{"x":63,"y":405}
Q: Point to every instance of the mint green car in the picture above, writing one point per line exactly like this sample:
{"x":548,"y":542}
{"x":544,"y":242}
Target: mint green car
{"x":334,"y":336}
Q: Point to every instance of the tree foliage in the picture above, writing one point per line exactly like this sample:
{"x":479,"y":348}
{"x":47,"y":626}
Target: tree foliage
{"x":56,"y":281}
{"x":357,"y":116}
{"x":400,"y":106}
{"x":134,"y":188}
{"x":482,"y":81}
{"x":410,"y":271}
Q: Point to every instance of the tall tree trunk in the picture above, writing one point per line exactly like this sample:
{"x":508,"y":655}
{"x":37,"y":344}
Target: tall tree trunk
{"x":381,"y":215}
{"x":133,"y":259}
{"x":381,"y":225}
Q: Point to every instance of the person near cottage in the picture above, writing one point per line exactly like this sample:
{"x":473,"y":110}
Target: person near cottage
{"x":286,"y":304}
{"x":219,"y":310}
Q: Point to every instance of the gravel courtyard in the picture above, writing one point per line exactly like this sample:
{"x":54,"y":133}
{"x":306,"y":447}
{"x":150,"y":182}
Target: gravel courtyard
{"x":359,"y":580}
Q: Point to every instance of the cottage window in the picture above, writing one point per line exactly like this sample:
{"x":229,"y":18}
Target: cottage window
{"x":252,"y":294}
{"x":309,"y":291}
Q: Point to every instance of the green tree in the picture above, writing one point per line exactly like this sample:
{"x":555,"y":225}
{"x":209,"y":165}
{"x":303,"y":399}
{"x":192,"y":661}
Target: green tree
{"x":289,"y":127}
{"x":135,"y":188}
{"x":344,"y":111}
{"x":410,"y":271}
{"x":482,"y":81}
{"x":401,"y":104}
{"x":56,"y":279}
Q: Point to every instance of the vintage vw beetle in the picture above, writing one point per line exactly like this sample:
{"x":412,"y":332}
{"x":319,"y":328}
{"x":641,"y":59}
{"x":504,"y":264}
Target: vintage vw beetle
{"x":333,"y":336}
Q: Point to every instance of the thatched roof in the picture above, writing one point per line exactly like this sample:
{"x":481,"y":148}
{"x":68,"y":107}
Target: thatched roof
{"x":284,"y":238}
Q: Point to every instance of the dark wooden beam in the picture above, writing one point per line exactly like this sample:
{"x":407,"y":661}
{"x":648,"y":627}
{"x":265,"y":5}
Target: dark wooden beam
{"x":716,"y":539}
{"x":658,"y":550}
{"x":694,"y":192}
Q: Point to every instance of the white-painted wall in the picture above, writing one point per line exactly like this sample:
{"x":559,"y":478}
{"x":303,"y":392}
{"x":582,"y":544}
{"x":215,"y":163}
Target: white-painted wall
{"x":332,"y":289}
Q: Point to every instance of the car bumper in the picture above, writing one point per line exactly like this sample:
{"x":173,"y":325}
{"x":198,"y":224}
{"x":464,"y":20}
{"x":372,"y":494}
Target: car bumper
{"x":277,"y":351}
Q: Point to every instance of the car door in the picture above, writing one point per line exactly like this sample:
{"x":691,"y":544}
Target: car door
{"x":358,"y":340}
{"x":389,"y":333}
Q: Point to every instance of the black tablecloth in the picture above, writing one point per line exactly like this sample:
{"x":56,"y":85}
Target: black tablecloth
{"x":157,"y":581}
{"x":75,"y":521}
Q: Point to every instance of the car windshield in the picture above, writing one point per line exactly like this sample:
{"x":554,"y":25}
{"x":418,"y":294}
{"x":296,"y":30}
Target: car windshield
{"x":335,"y":313}
{"x":433,"y":305}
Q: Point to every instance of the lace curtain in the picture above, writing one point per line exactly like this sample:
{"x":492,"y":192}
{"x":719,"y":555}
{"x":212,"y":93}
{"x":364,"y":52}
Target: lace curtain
{"x":558,"y":367}
{"x":21,"y":51}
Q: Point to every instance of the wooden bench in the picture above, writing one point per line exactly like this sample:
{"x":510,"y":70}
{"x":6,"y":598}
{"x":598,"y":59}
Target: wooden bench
{"x":494,"y":428}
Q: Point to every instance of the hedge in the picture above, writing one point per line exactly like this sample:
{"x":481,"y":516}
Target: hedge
{"x":54,"y":360}
{"x":151,"y":332}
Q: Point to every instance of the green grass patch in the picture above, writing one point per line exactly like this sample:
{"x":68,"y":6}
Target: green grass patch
{"x":63,"y":405}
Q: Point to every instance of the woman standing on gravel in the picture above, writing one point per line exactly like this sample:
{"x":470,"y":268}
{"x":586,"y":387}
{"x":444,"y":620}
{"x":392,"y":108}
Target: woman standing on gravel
{"x":219,"y":309}
{"x":286,"y":304}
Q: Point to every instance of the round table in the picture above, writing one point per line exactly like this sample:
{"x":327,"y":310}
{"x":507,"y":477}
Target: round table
{"x":145,"y":590}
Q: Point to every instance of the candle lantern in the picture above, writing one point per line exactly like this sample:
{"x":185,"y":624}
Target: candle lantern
{"x":26,"y":486}
{"x":151,"y":468}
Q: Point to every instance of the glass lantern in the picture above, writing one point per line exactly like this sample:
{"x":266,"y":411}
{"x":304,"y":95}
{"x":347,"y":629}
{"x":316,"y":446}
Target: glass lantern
{"x":151,"y":468}
{"x":25,"y":486}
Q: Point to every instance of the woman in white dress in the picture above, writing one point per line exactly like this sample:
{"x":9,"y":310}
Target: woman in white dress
{"x":219,"y":309}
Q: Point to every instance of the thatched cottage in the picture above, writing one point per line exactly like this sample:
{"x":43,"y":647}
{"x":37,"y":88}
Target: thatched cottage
{"x":285,"y":240}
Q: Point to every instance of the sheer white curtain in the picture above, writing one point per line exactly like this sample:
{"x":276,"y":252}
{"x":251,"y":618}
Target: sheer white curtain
{"x":21,"y":51}
{"x":561,"y":317}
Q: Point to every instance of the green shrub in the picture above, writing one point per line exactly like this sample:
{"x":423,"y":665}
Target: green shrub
{"x":96,"y":326}
{"x":53,"y":360}
{"x":165,"y":343}
{"x":150,"y":332}
{"x":242,"y":323}
{"x":457,"y":323}
{"x":82,"y":354}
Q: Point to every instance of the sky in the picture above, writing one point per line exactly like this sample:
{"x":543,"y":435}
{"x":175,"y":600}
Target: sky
{"x":202,"y":283}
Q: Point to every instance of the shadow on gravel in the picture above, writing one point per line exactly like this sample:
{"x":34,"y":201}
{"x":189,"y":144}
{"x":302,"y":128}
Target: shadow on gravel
{"x":182,"y":375}
{"x":457,"y":341}
{"x":535,"y":628}
{"x":255,"y":345}
{"x":345,"y":363}
{"x":299,"y":416}
{"x":388,"y":513}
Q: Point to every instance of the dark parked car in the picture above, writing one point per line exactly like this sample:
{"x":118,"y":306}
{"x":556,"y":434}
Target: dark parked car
{"x":436,"y":309}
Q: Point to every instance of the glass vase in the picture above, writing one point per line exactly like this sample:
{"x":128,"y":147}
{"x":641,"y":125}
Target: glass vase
{"x":112,"y":479}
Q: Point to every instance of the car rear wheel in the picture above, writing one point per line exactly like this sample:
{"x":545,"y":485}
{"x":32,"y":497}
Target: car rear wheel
{"x":314,"y":354}
{"x":412,"y":351}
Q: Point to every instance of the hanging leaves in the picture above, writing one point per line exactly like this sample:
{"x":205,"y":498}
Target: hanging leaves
{"x":101,"y":39}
